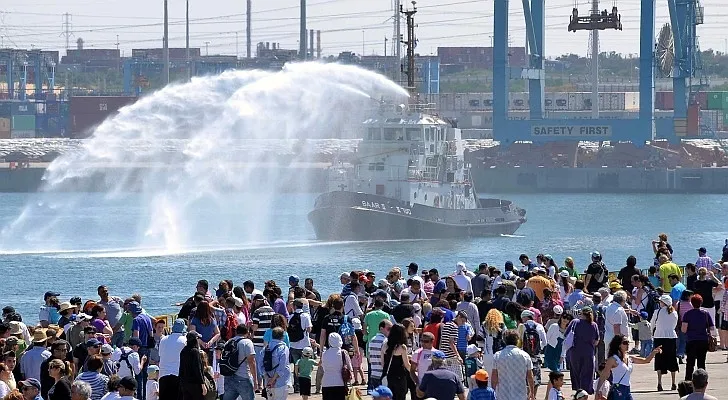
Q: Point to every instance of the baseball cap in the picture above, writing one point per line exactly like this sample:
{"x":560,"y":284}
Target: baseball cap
{"x":438,"y":354}
{"x":558,"y":310}
{"x":527,"y":314}
{"x":128,"y":383}
{"x":615,"y":285}
{"x":481,"y":375}
{"x":30,"y":382}
{"x":93,"y":343}
{"x":258,"y":296}
{"x":564,"y":274}
{"x":180,"y":326}
{"x":509,"y":264}
{"x":152,"y":369}
{"x":702,"y":250}
{"x":50,"y":294}
{"x":293,"y":279}
{"x":382,"y":391}
{"x":472,"y":349}
{"x":238,"y":302}
{"x":106,"y":349}
{"x":8,"y":310}
{"x":307,"y":351}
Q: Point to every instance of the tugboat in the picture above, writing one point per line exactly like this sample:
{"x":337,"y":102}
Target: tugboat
{"x":410,"y":181}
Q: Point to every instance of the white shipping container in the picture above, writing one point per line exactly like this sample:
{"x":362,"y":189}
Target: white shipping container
{"x":22,"y":134}
{"x":611,"y":101}
{"x":561,"y":101}
{"x":579,"y":101}
{"x":518,"y":100}
{"x":458,"y":102}
{"x":632,"y":101}
{"x":488,"y":101}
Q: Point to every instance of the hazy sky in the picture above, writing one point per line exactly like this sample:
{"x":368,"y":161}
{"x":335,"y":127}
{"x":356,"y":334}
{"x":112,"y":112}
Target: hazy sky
{"x":345,"y":24}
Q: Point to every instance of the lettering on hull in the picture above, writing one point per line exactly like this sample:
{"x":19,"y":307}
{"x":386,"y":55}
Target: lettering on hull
{"x":383,"y":207}
{"x":572,"y":130}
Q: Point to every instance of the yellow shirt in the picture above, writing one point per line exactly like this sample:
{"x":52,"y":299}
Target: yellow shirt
{"x":538,"y":283}
{"x":667,"y":269}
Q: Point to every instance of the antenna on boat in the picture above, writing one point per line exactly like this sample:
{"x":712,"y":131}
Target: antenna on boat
{"x":411,"y":43}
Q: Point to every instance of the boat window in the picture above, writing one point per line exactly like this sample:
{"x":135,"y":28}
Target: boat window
{"x":414,"y":134}
{"x":393,"y":134}
{"x":374,"y":134}
{"x":372,"y":166}
{"x":380,"y":166}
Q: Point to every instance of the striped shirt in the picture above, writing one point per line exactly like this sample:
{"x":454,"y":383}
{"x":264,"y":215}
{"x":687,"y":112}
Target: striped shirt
{"x":97,"y":382}
{"x":376,"y":358}
{"x":464,"y":331}
{"x":449,"y":333}
{"x":704,"y":261}
{"x":262,"y":318}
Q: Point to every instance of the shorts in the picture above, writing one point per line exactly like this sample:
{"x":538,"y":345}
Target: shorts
{"x":724,"y":323}
{"x":304,"y":386}
{"x":536,"y":371}
{"x":356,"y":361}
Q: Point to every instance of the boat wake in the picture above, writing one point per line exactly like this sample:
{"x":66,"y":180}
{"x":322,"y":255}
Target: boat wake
{"x":512,"y":236}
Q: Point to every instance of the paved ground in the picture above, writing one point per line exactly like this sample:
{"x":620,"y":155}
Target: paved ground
{"x":644,"y":381}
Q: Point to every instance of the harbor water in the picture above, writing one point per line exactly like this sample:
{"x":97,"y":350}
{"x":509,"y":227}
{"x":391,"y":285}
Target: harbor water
{"x":99,"y":243}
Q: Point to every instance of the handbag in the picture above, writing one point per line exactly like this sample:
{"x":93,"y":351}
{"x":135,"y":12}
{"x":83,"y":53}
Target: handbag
{"x":354,"y":394}
{"x":613,"y":393}
{"x":657,"y":318}
{"x":385,"y":379}
{"x":346,"y":373}
{"x":712,"y":340}
{"x":210,"y":385}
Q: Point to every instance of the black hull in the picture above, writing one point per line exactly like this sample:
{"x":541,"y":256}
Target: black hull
{"x":340,"y":216}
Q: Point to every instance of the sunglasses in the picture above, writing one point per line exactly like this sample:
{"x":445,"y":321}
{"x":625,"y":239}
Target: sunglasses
{"x":625,"y":342}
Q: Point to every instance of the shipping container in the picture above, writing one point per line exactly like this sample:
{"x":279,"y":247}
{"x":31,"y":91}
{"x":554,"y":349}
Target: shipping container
{"x":518,"y":100}
{"x":711,"y":119}
{"x":22,"y":108}
{"x":83,"y":125}
{"x":561,"y":101}
{"x":4,"y":124}
{"x":715,"y":100}
{"x":693,"y":120}
{"x":53,"y":108}
{"x":579,"y":101}
{"x":56,"y":126}
{"x":23,"y":122}
{"x":666,"y":101}
{"x":99,"y":104}
{"x":5,"y":109}
{"x":632,"y":101}
{"x":22,"y":134}
{"x":701,"y":98}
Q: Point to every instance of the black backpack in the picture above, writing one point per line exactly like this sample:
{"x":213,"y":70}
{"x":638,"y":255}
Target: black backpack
{"x":125,"y":358}
{"x":268,"y":358}
{"x":531,"y":339}
{"x":498,"y":342}
{"x":653,"y":299}
{"x":229,"y":363}
{"x":295,"y":329}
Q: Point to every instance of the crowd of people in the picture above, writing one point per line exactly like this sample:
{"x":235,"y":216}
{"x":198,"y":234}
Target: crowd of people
{"x":489,"y":333}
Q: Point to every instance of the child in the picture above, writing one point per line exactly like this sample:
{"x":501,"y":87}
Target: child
{"x":219,"y":384}
{"x":473,"y":363}
{"x":644,"y":333}
{"x":303,"y":369}
{"x":556,"y":381}
{"x":482,"y":391}
{"x":152,"y":388}
{"x":606,"y":385}
{"x":357,"y":357}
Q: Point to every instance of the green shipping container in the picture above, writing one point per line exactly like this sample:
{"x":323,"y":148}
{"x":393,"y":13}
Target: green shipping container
{"x":715,"y":100}
{"x":23,"y":123}
{"x":725,"y":118}
{"x":725,"y":101}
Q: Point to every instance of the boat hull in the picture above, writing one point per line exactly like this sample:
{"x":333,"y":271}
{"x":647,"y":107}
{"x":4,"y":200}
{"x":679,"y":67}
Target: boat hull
{"x":359,"y":216}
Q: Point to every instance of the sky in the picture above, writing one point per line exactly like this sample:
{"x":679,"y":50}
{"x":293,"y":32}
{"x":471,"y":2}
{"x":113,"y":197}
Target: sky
{"x":346,"y":25}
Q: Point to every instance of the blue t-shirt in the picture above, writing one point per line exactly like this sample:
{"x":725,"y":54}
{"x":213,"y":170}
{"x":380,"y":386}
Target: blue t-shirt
{"x":486,"y":393}
{"x":207,"y":331}
{"x":677,"y":291}
{"x":143,"y":324}
{"x":268,"y":336}
{"x":441,"y":384}
{"x":699,"y":324}
{"x":463,"y":331}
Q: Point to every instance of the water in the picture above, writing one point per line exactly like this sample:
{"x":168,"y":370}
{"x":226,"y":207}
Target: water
{"x":100,"y":251}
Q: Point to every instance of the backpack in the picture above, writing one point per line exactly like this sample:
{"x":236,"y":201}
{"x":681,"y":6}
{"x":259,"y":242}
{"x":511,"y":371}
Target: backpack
{"x":230,"y":354}
{"x":268,"y":358}
{"x":531,"y":340}
{"x":603,"y":274}
{"x":498,"y":342}
{"x":471,"y":366}
{"x":653,"y":299}
{"x":295,"y":329}
{"x":125,"y":358}
{"x":347,"y":331}
{"x":231,"y":325}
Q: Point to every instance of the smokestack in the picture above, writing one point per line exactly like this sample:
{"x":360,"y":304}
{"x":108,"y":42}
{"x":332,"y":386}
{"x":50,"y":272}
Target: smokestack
{"x":165,"y":55}
{"x":302,"y":39}
{"x":310,"y":44}
{"x":318,"y":44}
{"x":267,"y":45}
{"x":248,"y":19}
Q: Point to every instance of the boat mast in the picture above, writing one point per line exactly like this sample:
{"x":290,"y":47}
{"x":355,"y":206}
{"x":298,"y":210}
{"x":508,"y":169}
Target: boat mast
{"x":411,"y":42}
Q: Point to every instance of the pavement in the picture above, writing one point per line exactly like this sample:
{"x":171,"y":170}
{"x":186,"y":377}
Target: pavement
{"x":644,"y":382}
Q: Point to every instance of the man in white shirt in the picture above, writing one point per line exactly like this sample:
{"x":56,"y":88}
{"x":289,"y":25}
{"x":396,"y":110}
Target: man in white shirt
{"x":415,"y":292}
{"x":352,"y":309}
{"x":169,"y":349}
{"x":462,"y":278}
{"x":615,"y":318}
{"x":299,"y":328}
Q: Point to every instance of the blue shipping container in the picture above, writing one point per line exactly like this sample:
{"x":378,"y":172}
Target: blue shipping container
{"x":5,"y":109}
{"x":22,"y":108}
{"x":55,"y":127}
{"x":53,"y":108}
{"x":430,"y":76}
{"x":41,"y":125}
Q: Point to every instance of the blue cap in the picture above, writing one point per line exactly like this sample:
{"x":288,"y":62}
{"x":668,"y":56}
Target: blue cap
{"x":438,"y":354}
{"x":293,"y":279}
{"x":93,"y":343}
{"x":382,"y":391}
{"x":134,"y":307}
{"x":180,"y":326}
{"x":509,"y":264}
{"x":135,"y":342}
{"x":152,"y":369}
{"x":30,"y":382}
{"x":439,"y":287}
{"x":643,"y":314}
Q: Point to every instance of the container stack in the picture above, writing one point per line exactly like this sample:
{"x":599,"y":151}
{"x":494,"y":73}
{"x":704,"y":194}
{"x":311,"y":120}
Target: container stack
{"x":23,"y":120}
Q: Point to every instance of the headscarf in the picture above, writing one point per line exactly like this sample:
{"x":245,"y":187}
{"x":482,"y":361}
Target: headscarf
{"x":335,"y":340}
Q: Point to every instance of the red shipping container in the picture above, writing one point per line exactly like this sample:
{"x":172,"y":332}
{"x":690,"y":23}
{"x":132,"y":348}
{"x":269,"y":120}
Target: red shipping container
{"x":693,"y":120}
{"x":82,"y":125}
{"x":664,"y":101}
{"x":701,"y":98}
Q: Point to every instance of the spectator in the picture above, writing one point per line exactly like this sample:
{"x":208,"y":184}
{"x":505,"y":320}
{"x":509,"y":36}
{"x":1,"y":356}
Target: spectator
{"x":94,"y":377}
{"x":80,"y":390}
{"x":700,"y":384}
{"x":615,"y":317}
{"x":376,"y":354}
{"x":664,"y":336}
{"x":584,"y":337}
{"x":698,"y":327}
{"x":704,"y":286}
{"x":481,"y":391}
{"x":276,"y":374}
{"x":243,"y":383}
{"x":596,"y":273}
{"x":62,"y":373}
{"x":625,"y":274}
{"x":192,"y":384}
{"x":667,"y":268}
{"x":512,"y":367}
{"x":333,"y":360}
{"x":619,"y":366}
{"x":35,"y":355}
{"x":396,"y":361}
{"x":439,"y":382}
{"x":170,"y":348}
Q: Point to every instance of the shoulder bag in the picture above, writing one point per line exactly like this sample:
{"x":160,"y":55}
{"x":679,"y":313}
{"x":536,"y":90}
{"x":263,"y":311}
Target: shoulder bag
{"x":346,"y":373}
{"x":613,"y":393}
{"x":712,"y":340}
{"x":385,"y":377}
